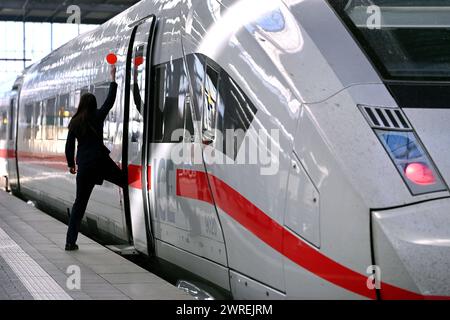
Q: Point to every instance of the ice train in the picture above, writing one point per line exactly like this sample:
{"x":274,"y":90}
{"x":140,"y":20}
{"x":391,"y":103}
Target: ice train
{"x":348,"y":120}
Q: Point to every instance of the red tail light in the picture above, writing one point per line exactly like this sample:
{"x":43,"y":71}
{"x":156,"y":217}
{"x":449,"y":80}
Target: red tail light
{"x":412,"y":161}
{"x":420,"y":174}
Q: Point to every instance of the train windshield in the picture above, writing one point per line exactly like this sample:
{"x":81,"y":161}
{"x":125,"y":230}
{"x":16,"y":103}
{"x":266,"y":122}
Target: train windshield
{"x":406,"y":39}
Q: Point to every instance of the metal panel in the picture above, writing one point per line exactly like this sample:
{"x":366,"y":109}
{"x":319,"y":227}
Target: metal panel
{"x":206,"y":269}
{"x":244,"y":288}
{"x":412,"y":247}
{"x":303,"y":205}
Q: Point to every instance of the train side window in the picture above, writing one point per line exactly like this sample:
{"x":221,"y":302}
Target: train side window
{"x":29,"y":113}
{"x":3,"y":125}
{"x":37,"y":121}
{"x":50,"y":119}
{"x":138,"y":94}
{"x":158,"y":105}
{"x":64,"y":114}
{"x":235,"y":112}
{"x":12,"y":117}
{"x":171,"y":90}
{"x":210,"y":96}
{"x":185,"y":93}
{"x":173,"y":114}
{"x":101,"y":93}
{"x":197,"y":68}
{"x":83,"y":91}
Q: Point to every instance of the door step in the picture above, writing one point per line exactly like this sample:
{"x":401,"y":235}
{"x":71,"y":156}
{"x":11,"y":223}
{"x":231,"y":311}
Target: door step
{"x":123,"y":250}
{"x":193,"y":290}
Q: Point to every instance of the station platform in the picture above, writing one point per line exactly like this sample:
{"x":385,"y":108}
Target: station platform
{"x":35,"y":266}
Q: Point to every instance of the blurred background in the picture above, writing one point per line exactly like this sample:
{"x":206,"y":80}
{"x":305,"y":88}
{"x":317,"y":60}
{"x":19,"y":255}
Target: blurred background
{"x":31,"y":29}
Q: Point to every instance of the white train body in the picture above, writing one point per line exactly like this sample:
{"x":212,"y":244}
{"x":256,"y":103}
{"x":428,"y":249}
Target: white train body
{"x":4,"y":109}
{"x":322,"y":206}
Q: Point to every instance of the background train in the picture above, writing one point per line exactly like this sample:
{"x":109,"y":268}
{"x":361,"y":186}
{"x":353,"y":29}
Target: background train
{"x":351,"y":200}
{"x":4,"y":104}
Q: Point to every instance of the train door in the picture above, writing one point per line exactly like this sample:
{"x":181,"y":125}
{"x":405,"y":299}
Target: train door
{"x":186,"y":222}
{"x":137,"y":99}
{"x":11,"y":146}
{"x":230,"y":147}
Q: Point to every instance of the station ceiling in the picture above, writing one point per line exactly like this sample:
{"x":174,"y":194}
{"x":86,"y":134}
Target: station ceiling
{"x":92,"y":11}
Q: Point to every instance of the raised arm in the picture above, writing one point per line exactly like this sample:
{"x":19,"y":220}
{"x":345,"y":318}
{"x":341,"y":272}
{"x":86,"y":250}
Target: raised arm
{"x":109,"y":102}
{"x":137,"y":91}
{"x":70,"y":151}
{"x":137,"y":97}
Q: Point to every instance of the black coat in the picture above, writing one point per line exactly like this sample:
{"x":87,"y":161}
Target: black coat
{"x":91,"y":151}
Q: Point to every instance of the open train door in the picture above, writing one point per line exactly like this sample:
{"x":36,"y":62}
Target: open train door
{"x":137,"y":100}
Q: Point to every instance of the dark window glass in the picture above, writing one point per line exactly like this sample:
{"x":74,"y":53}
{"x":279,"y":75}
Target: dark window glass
{"x":11,"y":118}
{"x":65,"y":112}
{"x":188,"y":122}
{"x":197,"y":69}
{"x":158,"y":106}
{"x":169,"y":108}
{"x":101,"y":93}
{"x":83,"y":91}
{"x":50,"y":119}
{"x":37,"y":121}
{"x":173,"y":113}
{"x":235,"y":112}
{"x":185,"y":101}
{"x":220,"y":104}
{"x":29,"y":112}
{"x":3,"y":125}
{"x":210,"y":96}
{"x":138,"y":90}
{"x":410,"y":40}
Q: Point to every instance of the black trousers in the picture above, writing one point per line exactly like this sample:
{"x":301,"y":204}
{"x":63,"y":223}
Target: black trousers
{"x":86,"y":181}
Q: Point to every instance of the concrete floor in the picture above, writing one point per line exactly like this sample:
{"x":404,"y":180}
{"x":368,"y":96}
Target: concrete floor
{"x":34,"y":265}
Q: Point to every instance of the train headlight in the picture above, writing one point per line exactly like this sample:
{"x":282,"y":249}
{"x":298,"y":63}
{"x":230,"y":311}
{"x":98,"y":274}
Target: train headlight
{"x":412,"y":161}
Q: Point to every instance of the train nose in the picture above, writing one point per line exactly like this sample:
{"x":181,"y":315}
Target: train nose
{"x":412,"y":250}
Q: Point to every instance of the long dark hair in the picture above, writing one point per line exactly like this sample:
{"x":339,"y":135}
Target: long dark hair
{"x":81,"y":120}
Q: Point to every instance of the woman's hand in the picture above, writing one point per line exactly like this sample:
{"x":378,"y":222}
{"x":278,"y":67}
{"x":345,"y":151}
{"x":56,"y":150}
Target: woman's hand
{"x":113,"y":71}
{"x":73,"y":170}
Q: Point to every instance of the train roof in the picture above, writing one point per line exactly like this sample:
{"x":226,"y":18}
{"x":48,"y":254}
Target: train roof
{"x":81,"y":61}
{"x":281,"y":40}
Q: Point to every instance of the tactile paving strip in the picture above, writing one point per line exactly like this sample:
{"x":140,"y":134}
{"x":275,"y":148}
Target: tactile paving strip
{"x":39,"y":283}
{"x":11,"y":288}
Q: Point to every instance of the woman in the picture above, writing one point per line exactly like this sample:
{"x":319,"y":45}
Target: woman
{"x":93,"y":161}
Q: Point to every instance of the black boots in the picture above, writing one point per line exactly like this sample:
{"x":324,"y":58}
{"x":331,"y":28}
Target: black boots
{"x":71,"y":247}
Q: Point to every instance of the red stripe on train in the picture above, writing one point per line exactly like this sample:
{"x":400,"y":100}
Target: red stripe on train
{"x":7,"y":154}
{"x":58,"y":161}
{"x":55,"y":161}
{"x":135,"y":176}
{"x":194,"y":185}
